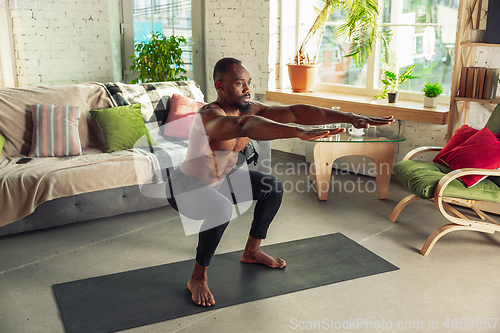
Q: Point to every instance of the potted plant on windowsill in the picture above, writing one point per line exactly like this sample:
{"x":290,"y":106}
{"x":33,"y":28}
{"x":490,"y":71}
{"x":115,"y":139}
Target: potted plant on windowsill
{"x":431,"y":92}
{"x":159,"y":59}
{"x":392,"y":82}
{"x":361,"y":27}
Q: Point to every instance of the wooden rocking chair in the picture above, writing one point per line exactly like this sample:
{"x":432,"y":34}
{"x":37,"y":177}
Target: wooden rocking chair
{"x":439,"y":184}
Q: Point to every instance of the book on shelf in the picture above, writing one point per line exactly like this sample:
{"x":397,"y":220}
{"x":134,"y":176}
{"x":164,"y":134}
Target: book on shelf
{"x":478,"y":82}
{"x":494,"y":82}
{"x":491,"y":83}
{"x":463,"y":82}
{"x":470,"y":82}
{"x":481,"y":73}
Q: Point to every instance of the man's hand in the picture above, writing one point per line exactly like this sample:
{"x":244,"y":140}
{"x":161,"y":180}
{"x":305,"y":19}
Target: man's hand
{"x":360,"y":121}
{"x":319,"y":133}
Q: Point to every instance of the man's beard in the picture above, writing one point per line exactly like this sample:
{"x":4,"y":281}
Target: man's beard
{"x":242,"y":106}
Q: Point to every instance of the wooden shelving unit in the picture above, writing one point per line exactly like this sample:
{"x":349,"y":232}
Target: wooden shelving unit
{"x":465,"y":56}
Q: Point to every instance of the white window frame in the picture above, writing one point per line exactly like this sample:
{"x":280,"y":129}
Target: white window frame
{"x":8,"y":77}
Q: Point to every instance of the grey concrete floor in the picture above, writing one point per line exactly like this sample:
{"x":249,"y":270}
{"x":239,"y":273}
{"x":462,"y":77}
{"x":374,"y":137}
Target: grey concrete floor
{"x":459,"y":279}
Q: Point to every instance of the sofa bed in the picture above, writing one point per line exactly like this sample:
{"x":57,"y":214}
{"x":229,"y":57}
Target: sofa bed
{"x":79,"y":152}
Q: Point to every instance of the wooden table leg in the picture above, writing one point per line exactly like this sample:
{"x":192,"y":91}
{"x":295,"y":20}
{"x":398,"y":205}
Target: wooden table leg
{"x":321,"y":169}
{"x":383,"y":157}
{"x":325,"y":153}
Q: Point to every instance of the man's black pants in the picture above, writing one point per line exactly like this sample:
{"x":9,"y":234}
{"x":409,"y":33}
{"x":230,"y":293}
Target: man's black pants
{"x":214,"y":205}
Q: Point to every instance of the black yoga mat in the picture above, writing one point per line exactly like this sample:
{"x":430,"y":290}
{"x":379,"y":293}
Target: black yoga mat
{"x":140,"y":297}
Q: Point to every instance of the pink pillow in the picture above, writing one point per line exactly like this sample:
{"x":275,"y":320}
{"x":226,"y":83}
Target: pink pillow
{"x":181,"y":115}
{"x":482,"y":150}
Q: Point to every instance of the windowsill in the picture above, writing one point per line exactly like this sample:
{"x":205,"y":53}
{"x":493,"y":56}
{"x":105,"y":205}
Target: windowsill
{"x":402,"y":110}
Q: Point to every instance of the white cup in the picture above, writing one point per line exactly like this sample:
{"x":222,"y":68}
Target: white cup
{"x":356,"y":131}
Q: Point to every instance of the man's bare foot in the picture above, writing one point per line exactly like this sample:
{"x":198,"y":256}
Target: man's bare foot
{"x":254,"y":255}
{"x":198,"y":286}
{"x":262,"y":258}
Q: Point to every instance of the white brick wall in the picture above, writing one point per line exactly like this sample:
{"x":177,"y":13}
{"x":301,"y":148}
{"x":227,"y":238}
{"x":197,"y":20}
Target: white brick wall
{"x":70,"y":42}
{"x":239,"y":29}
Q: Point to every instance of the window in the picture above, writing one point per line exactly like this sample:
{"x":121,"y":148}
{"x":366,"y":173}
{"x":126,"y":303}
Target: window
{"x":169,"y":17}
{"x":424,"y":33}
{"x":7,"y":63}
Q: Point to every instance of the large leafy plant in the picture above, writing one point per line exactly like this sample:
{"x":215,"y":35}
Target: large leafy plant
{"x":159,"y":59}
{"x":361,"y":27}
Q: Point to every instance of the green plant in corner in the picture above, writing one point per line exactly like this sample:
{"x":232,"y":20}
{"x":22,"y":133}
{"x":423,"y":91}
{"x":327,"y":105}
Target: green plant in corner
{"x":392,"y":81}
{"x":159,"y":59}
{"x":432,"y":89}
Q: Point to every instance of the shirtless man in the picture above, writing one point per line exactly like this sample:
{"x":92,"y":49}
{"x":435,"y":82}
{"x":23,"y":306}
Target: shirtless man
{"x":220,"y":130}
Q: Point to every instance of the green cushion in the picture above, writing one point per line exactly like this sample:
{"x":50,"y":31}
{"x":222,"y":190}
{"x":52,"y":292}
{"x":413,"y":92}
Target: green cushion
{"x":122,"y":127}
{"x":2,"y":142}
{"x":421,"y":178}
{"x":493,"y":122}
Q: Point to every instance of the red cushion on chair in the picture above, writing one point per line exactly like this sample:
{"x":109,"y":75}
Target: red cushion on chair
{"x":181,"y":115}
{"x":456,"y":140}
{"x":482,"y":150}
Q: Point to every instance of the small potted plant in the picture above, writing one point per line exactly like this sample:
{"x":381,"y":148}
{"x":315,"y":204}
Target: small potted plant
{"x":431,"y":92}
{"x":159,"y":59}
{"x":392,"y":82}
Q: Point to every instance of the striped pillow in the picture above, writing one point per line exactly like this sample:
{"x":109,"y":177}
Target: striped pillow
{"x":55,"y":130}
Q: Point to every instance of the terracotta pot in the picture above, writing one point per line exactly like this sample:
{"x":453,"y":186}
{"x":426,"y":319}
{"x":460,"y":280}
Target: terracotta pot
{"x":430,"y":102}
{"x":302,"y":77}
{"x":392,"y":97}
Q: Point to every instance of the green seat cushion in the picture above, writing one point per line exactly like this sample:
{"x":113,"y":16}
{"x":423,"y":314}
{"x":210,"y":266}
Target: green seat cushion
{"x":122,"y":127}
{"x":421,"y":178}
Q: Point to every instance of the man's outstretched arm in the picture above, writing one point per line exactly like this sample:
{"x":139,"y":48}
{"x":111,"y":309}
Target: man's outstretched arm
{"x":312,"y":115}
{"x":222,"y":127}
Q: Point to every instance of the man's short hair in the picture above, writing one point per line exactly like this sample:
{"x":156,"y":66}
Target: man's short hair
{"x":222,"y":66}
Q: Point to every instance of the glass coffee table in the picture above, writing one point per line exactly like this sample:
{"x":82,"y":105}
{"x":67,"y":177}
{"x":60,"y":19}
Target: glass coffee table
{"x":375,"y":144}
